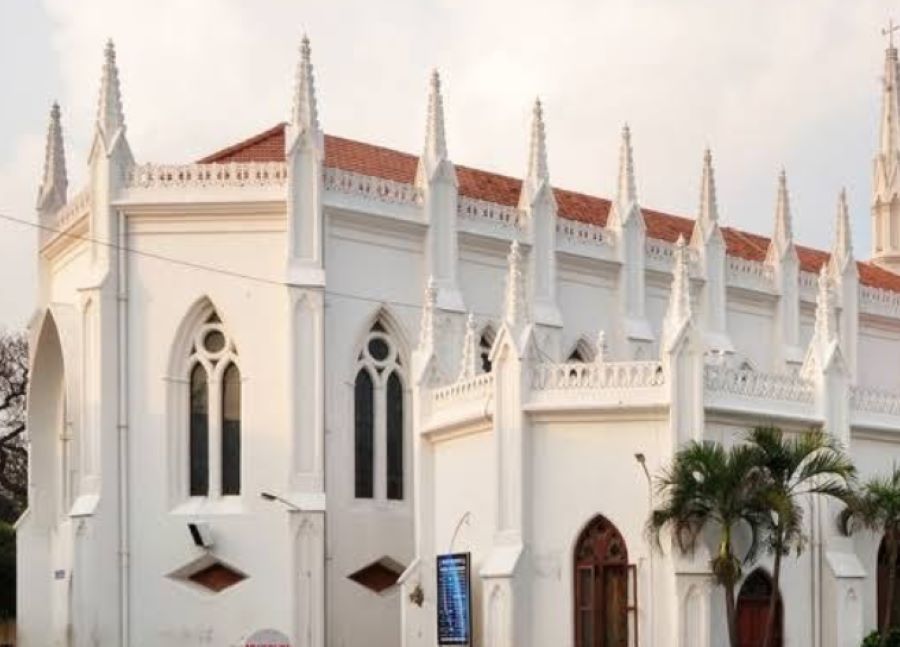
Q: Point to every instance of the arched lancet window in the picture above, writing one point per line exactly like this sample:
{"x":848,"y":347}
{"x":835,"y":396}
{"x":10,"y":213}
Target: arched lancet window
{"x":753,"y":611}
{"x":485,"y":343}
{"x":214,"y":434}
{"x":601,"y":573}
{"x":379,"y":418}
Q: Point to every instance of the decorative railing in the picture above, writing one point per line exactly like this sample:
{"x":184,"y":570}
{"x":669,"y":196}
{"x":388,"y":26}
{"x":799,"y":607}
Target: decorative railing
{"x":749,"y":274}
{"x":753,"y":384}
{"x":477,"y":388}
{"x":607,"y":375}
{"x":580,"y":233}
{"x":72,"y":211}
{"x":879,"y":301}
{"x":498,"y":216}
{"x":232,"y":174}
{"x":373,"y":188}
{"x":875,"y":401}
{"x":809,"y":281}
{"x":661,"y":253}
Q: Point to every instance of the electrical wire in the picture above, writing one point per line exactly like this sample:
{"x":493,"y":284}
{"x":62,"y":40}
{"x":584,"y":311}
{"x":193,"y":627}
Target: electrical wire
{"x":218,"y":270}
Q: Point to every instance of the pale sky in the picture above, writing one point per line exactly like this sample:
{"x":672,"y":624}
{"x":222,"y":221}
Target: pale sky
{"x":764,"y":83}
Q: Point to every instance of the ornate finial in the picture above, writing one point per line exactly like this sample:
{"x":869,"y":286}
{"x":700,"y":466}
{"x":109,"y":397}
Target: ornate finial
{"x":680,"y":297}
{"x":709,"y":209}
{"x":889,"y":32}
{"x":600,"y":356}
{"x":627,"y":190}
{"x":426,"y":329}
{"x":824,"y":330}
{"x":843,"y":245}
{"x":538,"y":174}
{"x":305,"y":111}
{"x":784,"y":233}
{"x":435,"y":138}
{"x":515,"y":288}
{"x":468,"y":366}
{"x":110,"y":116}
{"x":52,"y":193}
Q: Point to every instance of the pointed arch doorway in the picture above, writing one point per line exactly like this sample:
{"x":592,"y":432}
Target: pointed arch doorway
{"x":601,"y":581}
{"x":753,"y":611}
{"x":884,"y":571}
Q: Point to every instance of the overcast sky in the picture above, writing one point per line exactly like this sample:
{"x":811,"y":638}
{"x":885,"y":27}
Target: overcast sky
{"x":764,"y":83}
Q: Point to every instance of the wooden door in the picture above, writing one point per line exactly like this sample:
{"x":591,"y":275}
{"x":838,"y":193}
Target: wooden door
{"x":753,"y":611}
{"x":601,"y":587}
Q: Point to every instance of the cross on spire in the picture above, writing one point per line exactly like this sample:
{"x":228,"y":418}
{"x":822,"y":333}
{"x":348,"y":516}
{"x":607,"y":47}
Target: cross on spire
{"x":889,"y":32}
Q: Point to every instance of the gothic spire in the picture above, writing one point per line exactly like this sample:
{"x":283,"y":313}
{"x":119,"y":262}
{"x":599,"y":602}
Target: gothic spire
{"x":708,"y":216}
{"x":426,"y":328}
{"x":824,"y":326}
{"x":538,"y":174}
{"x":52,"y":193}
{"x":843,"y":244}
{"x":626,"y":193}
{"x":890,"y":107}
{"x":435,"y":138}
{"x":110,"y":117}
{"x":468,"y":366}
{"x":680,"y":298}
{"x":516,"y":304}
{"x":784,"y":232}
{"x":305,"y":116}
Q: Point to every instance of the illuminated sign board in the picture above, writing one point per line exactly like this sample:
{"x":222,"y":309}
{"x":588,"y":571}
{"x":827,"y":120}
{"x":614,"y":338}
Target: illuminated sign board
{"x":454,"y":599}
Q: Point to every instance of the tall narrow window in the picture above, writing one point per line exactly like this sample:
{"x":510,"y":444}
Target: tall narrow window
{"x":214,"y":403}
{"x":231,"y":430}
{"x":485,"y":343}
{"x":379,"y":419}
{"x":199,"y":432}
{"x":394,"y":437}
{"x":364,"y":436}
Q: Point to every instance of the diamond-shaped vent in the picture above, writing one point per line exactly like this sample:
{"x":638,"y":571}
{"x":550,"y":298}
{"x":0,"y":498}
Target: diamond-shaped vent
{"x":379,"y":575}
{"x":209,"y":573}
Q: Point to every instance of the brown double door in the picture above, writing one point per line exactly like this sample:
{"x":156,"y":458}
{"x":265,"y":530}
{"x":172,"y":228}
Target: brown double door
{"x":753,"y":612}
{"x":601,"y":587}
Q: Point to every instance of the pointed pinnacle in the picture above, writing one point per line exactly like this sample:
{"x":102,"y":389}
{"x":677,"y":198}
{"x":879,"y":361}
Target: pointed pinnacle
{"x":52,"y":193}
{"x":843,"y":244}
{"x":627,"y":191}
{"x":537,"y":158}
{"x":305,"y":110}
{"x":784,"y":233}
{"x":709,"y":208}
{"x":435,"y":138}
{"x":110,"y":116}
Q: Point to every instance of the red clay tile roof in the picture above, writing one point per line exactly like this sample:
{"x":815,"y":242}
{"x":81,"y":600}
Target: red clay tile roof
{"x":368,"y":159}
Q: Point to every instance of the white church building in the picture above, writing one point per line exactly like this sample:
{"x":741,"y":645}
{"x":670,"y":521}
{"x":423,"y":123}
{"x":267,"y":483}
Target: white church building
{"x":270,"y":388}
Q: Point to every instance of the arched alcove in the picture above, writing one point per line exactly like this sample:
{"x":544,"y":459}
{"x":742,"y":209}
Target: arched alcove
{"x":883,"y":582}
{"x":753,"y":611}
{"x":600,"y":573}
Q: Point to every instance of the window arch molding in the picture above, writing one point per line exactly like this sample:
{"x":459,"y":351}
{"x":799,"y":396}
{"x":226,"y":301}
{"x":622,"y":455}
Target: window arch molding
{"x":581,"y":351}
{"x":203,"y":340}
{"x":379,"y":445}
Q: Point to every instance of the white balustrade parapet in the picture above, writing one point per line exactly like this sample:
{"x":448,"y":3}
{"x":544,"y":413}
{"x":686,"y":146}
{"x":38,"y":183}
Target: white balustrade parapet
{"x":580,"y":233}
{"x":489,"y":218}
{"x":70,"y":213}
{"x":879,"y":301}
{"x":187,"y":176}
{"x":372,"y":188}
{"x":753,"y":275}
{"x":660,"y":255}
{"x":875,"y":401}
{"x":809,"y":286}
{"x":747,"y":383}
{"x":477,"y":388}
{"x":606,"y":375}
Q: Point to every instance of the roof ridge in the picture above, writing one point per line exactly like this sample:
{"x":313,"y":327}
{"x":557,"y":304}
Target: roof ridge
{"x":392,"y":164}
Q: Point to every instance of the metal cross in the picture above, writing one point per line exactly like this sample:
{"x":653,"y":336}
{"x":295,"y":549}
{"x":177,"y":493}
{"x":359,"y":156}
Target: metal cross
{"x":889,"y":32}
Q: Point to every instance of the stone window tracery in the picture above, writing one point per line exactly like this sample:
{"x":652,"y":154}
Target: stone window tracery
{"x":214,"y":430}
{"x":379,"y":418}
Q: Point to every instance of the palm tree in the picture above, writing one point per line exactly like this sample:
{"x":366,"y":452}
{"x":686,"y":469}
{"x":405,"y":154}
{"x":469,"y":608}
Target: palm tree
{"x":707,"y":486}
{"x":809,"y":463}
{"x":876,"y":506}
